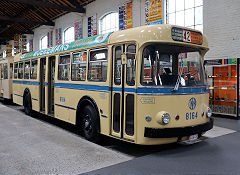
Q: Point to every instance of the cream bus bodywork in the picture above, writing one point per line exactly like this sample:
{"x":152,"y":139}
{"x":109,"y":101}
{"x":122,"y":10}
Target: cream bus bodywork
{"x":6,"y":82}
{"x":70,"y":97}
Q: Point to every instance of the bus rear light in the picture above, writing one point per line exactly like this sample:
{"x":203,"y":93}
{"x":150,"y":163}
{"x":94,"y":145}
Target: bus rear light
{"x":177,"y":117}
{"x":101,"y":111}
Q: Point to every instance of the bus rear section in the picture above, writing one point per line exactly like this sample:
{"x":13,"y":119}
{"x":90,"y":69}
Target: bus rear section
{"x":6,"y":69}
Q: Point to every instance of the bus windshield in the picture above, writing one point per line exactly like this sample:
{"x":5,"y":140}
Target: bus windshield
{"x":170,"y":65}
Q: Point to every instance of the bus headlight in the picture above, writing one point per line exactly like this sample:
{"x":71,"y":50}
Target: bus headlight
{"x":166,"y":118}
{"x":209,"y":112}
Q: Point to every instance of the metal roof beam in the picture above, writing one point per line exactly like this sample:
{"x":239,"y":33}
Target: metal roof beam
{"x":7,"y":18}
{"x":78,"y":9}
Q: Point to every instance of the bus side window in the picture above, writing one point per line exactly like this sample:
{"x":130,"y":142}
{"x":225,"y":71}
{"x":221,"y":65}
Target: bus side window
{"x":98,"y":63}
{"x":117,"y":65}
{"x":33,"y":73}
{"x":5,"y":71}
{"x":26,"y":69}
{"x":79,"y":64}
{"x":131,"y":64}
{"x":64,"y":67}
{"x":1,"y":71}
{"x":15,"y":70}
{"x":20,"y":70}
{"x":11,"y":70}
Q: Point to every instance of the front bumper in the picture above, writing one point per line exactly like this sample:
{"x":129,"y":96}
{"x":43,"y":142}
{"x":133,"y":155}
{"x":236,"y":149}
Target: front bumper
{"x":177,"y":132}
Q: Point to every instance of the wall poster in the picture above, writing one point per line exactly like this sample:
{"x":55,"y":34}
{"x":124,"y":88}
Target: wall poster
{"x":125,"y":16}
{"x":78,"y":30}
{"x":92,"y":25}
{"x":153,"y":12}
{"x":50,"y":39}
{"x":58,"y":36}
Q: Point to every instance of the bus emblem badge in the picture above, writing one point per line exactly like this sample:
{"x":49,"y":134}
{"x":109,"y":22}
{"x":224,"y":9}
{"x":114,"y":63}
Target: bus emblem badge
{"x":192,"y":103}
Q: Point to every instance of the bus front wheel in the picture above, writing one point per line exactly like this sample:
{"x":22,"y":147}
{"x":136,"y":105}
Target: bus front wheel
{"x":89,"y":124}
{"x":27,"y":104}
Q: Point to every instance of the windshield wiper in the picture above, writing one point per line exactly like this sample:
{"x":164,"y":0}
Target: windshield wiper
{"x":179,"y":76}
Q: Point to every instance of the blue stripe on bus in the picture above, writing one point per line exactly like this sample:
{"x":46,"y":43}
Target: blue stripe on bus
{"x":83,"y":87}
{"x":26,"y":82}
{"x":170,"y":90}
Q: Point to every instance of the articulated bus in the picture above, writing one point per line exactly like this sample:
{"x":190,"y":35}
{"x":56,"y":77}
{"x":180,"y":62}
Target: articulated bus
{"x":6,"y":69}
{"x":144,"y":85}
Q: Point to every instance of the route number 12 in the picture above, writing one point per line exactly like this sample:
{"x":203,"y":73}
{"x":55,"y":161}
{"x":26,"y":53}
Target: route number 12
{"x":186,"y":36}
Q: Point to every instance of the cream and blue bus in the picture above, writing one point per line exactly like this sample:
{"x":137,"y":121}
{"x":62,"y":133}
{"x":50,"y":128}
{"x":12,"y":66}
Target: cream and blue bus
{"x":145,"y":85}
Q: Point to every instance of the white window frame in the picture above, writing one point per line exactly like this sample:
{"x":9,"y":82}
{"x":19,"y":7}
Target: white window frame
{"x":64,"y":36}
{"x":198,"y":26}
{"x":103,"y":28}
{"x":41,"y":42}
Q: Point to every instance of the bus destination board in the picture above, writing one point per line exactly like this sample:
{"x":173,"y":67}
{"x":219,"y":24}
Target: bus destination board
{"x":188,"y":36}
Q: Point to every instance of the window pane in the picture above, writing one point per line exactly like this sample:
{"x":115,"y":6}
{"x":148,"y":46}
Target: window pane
{"x":34,"y":69}
{"x":43,"y":42}
{"x":118,"y":65}
{"x":20,"y":71}
{"x":180,"y":18}
{"x":5,"y":71}
{"x":64,"y":67}
{"x":171,"y":6}
{"x":198,"y":3}
{"x":171,"y":18}
{"x":79,"y":66}
{"x":179,"y":5}
{"x":199,"y":27}
{"x":69,"y":35}
{"x":11,"y":70}
{"x":129,"y":127}
{"x":26,"y":70}
{"x":98,"y":65}
{"x":15,"y":70}
{"x":189,"y":17}
{"x":109,"y":23}
{"x":189,"y":4}
{"x":198,"y":15}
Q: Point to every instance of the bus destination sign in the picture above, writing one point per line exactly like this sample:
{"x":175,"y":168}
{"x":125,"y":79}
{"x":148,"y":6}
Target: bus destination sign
{"x":187,"y":36}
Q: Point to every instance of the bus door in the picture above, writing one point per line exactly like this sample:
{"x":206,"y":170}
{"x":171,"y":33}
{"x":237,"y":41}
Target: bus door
{"x":123,"y":92}
{"x":51,"y":75}
{"x":42,"y":84}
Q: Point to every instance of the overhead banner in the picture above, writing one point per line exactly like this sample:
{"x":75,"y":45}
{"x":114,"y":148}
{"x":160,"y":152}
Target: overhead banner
{"x":125,"y":16}
{"x":92,"y":25}
{"x":153,"y":12}
{"x":86,"y":42}
{"x":78,"y":30}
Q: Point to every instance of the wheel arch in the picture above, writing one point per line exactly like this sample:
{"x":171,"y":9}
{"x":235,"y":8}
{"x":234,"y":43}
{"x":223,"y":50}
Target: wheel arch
{"x":84,"y":101}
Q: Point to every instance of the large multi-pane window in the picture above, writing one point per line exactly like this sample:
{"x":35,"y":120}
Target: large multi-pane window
{"x":188,"y":13}
{"x":109,"y":23}
{"x":68,"y":35}
{"x":43,"y":42}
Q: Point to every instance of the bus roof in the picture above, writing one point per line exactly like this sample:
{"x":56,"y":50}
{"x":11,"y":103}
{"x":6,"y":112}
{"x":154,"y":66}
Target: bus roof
{"x":141,"y":35}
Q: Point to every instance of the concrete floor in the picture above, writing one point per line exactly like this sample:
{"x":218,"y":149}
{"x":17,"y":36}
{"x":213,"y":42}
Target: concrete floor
{"x":43,"y":145}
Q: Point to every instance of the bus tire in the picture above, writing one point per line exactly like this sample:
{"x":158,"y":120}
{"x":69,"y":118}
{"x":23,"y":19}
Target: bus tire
{"x":28,"y":104}
{"x":89,"y":124}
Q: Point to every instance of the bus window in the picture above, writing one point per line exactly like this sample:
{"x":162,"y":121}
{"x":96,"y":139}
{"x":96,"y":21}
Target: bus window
{"x":129,"y":125}
{"x":26,"y":69}
{"x":1,"y":71}
{"x":64,"y":67}
{"x":5,"y":71}
{"x":20,"y":70}
{"x":117,"y":66}
{"x":33,"y":74}
{"x":11,"y":70}
{"x":15,"y":70}
{"x":131,"y":65}
{"x":79,"y":64}
{"x":98,"y":65}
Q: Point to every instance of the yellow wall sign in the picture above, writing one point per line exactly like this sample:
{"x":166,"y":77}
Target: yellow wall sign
{"x":154,"y":11}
